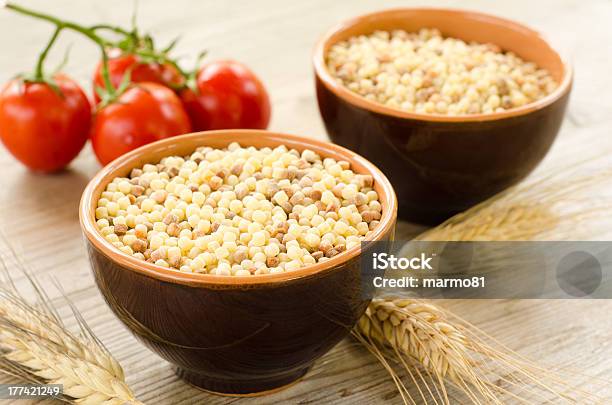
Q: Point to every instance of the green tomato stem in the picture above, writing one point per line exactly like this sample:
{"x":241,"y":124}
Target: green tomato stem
{"x":38,"y":73}
{"x":61,"y":24}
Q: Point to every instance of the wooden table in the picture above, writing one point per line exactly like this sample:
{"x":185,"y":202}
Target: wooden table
{"x":38,"y":214}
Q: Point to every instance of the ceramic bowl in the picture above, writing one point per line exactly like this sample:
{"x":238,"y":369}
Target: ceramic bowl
{"x":439,"y":164}
{"x":233,"y":335}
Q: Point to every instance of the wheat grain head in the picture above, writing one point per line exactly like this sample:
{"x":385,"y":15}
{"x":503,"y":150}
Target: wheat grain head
{"x":36,"y":346}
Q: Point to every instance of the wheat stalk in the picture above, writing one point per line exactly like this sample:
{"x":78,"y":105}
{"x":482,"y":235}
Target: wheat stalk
{"x":411,"y":326}
{"x":35,"y":346}
{"x":418,"y":334}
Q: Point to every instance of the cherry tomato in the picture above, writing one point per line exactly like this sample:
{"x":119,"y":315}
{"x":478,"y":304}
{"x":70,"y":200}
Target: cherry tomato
{"x":42,"y":127}
{"x":119,"y":63}
{"x":228,"y":95}
{"x":146,"y":112}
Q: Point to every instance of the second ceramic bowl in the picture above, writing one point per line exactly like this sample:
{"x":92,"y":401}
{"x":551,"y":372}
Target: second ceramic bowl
{"x":440,"y":165}
{"x":230,"y":334}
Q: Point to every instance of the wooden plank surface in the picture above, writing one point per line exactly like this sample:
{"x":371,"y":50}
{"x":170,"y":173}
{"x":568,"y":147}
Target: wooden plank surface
{"x":39,"y":216}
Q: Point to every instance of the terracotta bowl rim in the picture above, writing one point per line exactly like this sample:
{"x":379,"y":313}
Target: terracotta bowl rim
{"x":89,"y":227}
{"x":323,"y":74}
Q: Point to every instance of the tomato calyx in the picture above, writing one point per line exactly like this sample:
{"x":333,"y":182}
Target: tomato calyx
{"x":143,"y":47}
{"x":106,"y":97}
{"x":24,"y":79}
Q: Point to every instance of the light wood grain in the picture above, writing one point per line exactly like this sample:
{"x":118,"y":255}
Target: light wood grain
{"x":38,"y":213}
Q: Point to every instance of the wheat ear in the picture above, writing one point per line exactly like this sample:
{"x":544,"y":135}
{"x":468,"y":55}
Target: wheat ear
{"x":36,"y":346}
{"x":418,"y":334}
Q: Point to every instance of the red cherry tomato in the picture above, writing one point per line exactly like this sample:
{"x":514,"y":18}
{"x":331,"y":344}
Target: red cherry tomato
{"x":146,"y":112}
{"x":119,"y":63}
{"x":42,"y":128}
{"x":228,"y":95}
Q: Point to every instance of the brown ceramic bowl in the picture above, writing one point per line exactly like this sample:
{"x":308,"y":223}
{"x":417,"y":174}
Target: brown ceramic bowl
{"x":233,"y":335}
{"x":439,"y":164}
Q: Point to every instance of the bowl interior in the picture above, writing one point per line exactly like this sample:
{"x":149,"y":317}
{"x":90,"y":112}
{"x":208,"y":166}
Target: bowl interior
{"x":186,"y":144}
{"x":466,"y":25}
